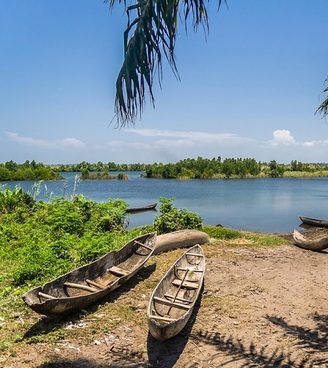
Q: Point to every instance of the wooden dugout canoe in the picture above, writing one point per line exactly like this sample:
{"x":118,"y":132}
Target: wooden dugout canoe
{"x":174,"y":298}
{"x":90,"y":283}
{"x":314,"y":222}
{"x":310,"y":244}
{"x":180,"y":239}
{"x":150,"y":207}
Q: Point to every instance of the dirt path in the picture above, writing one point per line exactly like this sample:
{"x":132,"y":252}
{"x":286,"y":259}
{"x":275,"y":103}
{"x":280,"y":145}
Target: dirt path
{"x":261,"y":307}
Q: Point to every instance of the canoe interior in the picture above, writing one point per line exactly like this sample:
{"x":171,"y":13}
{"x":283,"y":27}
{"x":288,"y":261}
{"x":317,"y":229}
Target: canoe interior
{"x":177,"y":292}
{"x":124,"y":262}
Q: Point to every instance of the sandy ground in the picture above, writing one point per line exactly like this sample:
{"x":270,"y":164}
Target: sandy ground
{"x":261,"y":307}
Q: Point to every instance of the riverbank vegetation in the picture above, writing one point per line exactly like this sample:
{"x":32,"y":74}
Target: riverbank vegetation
{"x":204,"y":168}
{"x":11,"y":170}
{"x":200,"y":168}
{"x":42,"y":240}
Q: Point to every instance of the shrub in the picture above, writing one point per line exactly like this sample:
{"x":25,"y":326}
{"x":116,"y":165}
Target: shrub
{"x":173,"y":219}
{"x":11,"y":200}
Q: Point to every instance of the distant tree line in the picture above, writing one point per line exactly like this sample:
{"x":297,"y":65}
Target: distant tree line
{"x":11,"y":170}
{"x":200,"y":168}
{"x":99,"y":167}
{"x":203,"y":168}
{"x":190,"y":168}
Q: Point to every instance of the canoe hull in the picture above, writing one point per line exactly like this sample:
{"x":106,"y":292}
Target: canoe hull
{"x":180,"y":239}
{"x":310,"y":244}
{"x":63,"y":303}
{"x":151,"y":207}
{"x":314,"y":222}
{"x":172,"y":301}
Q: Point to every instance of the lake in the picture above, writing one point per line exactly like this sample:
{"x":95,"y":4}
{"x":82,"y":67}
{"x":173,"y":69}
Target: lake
{"x":269,"y":205}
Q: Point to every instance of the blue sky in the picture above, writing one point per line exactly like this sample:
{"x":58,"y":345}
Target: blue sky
{"x":248,"y":89}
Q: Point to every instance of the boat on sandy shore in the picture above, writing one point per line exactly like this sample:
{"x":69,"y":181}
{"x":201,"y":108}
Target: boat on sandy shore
{"x":172,"y":301}
{"x":180,"y":239}
{"x":92,"y":282}
{"x":317,"y":244}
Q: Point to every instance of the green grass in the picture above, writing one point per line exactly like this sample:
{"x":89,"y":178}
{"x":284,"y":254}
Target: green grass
{"x":219,"y":232}
{"x":223,"y":233}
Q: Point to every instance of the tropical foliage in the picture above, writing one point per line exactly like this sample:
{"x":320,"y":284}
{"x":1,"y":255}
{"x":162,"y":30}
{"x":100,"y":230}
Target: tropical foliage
{"x":39,"y":240}
{"x":10,"y":170}
{"x":173,"y":219}
{"x":323,"y":108}
{"x":202,"y":168}
{"x":151,"y":35}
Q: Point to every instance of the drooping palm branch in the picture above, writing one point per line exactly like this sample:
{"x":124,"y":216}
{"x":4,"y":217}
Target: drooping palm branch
{"x":150,"y":34}
{"x":323,"y":108}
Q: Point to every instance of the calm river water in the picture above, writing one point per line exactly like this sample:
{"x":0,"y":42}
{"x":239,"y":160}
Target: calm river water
{"x":270,"y":205}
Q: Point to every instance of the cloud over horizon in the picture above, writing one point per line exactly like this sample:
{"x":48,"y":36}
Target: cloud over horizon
{"x":195,"y":136}
{"x":282,"y":136}
{"x":43,"y":143}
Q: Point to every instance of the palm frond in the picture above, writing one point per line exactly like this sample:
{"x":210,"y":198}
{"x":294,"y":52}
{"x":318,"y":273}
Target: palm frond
{"x":323,"y":108}
{"x":150,"y":34}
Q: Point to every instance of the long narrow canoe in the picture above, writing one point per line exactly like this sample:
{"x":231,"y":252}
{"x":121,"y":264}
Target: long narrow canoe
{"x":90,"y":283}
{"x":314,"y":222}
{"x":150,"y":207}
{"x":174,"y":298}
{"x":180,"y":239}
{"x":310,"y":244}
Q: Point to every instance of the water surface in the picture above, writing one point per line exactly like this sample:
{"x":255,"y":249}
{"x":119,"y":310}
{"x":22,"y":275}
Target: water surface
{"x":270,"y":205}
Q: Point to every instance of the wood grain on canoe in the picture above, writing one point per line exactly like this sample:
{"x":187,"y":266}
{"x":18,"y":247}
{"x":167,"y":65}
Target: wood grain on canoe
{"x":180,"y":239}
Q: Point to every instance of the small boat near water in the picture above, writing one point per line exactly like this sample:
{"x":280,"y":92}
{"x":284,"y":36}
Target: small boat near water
{"x":90,"y":283}
{"x":310,"y":244}
{"x":172,"y":301}
{"x":151,"y":207}
{"x":314,"y":222}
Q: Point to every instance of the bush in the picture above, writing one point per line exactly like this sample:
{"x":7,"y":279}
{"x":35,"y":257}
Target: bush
{"x":173,"y":219}
{"x":55,"y":236}
{"x":11,"y":200}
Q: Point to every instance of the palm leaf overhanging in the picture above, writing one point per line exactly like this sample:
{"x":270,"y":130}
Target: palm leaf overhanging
{"x":323,"y":108}
{"x":150,"y":35}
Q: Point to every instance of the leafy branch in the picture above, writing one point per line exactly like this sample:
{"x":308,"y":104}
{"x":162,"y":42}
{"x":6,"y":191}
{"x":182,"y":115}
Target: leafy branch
{"x":150,"y":34}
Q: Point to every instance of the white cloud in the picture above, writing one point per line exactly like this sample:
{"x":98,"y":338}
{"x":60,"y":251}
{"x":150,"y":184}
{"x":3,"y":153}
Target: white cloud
{"x":282,"y":137}
{"x":47,"y":144}
{"x":315,"y":143}
{"x":194,"y":136}
{"x":71,"y":142}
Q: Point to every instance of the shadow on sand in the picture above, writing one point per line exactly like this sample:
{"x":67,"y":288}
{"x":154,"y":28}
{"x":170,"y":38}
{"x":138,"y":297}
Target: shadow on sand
{"x":307,"y":343}
{"x":49,"y":324}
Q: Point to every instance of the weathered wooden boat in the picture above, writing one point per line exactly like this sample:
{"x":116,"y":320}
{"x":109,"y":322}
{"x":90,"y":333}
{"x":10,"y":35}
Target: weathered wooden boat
{"x":314,"y":222}
{"x":174,"y":298}
{"x":180,"y":239}
{"x":151,"y":207}
{"x":92,"y":282}
{"x":310,"y":244}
